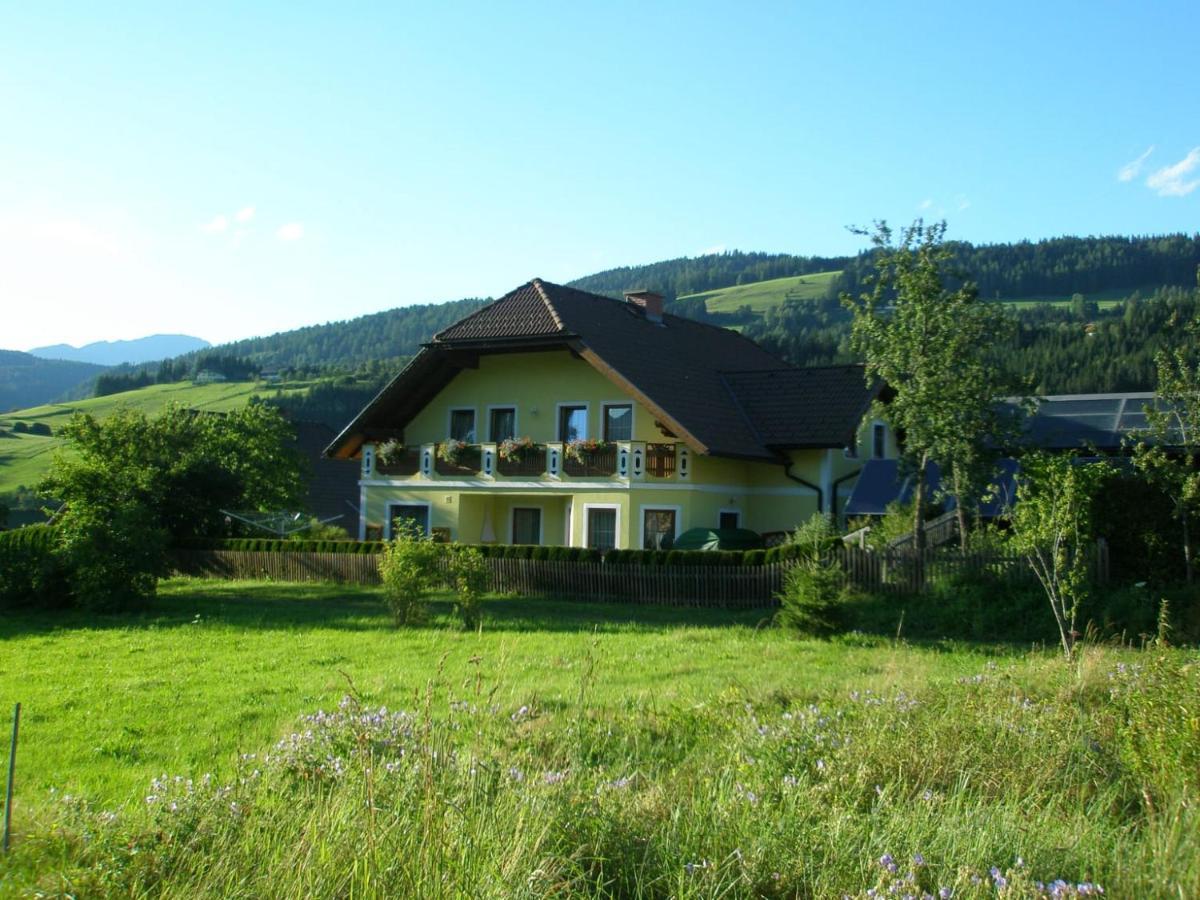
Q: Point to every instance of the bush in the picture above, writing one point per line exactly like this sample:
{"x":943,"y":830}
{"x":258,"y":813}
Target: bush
{"x":113,"y":557}
{"x":32,"y":572}
{"x":470,"y":577}
{"x":408,"y":568}
{"x":810,"y":602}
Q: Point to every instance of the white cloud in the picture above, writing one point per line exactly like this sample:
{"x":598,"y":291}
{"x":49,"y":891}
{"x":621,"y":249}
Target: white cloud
{"x":925,"y":204}
{"x":292,"y":231}
{"x":1130,"y":170}
{"x":245,"y":214}
{"x":1169,"y":180}
{"x":963,"y":202}
{"x":216,"y":226}
{"x":713,"y":251}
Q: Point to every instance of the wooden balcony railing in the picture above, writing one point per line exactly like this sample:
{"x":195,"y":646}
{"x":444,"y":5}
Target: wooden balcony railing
{"x":408,"y":463}
{"x":468,"y":461}
{"x":600,"y":462}
{"x":660,"y":460}
{"x":530,"y":462}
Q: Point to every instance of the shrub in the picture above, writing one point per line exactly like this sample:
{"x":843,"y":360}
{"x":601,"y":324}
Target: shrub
{"x":812,"y":590}
{"x":31,"y":570}
{"x":408,"y":568}
{"x":470,"y":577}
{"x":113,"y":557}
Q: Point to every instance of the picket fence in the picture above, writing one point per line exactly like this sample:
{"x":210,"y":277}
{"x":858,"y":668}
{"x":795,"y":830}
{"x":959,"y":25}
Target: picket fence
{"x":892,"y":571}
{"x":728,"y":587}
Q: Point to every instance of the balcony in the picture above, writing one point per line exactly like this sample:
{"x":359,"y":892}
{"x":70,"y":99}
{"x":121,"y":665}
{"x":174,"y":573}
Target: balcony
{"x":590,"y":462}
{"x":550,"y":463}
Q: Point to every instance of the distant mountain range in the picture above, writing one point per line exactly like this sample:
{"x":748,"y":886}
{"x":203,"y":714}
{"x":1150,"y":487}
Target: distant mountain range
{"x":27,"y":380}
{"x":113,"y":353}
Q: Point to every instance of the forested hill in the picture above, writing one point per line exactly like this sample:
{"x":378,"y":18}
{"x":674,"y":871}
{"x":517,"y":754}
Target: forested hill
{"x":691,"y":275}
{"x":385,"y":335}
{"x":1058,"y":267}
{"x":26,"y":380}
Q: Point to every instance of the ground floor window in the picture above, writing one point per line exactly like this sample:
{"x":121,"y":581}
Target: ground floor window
{"x":416,"y":513}
{"x":730,"y":518}
{"x":658,"y":532}
{"x":602,"y":528}
{"x":526,"y":525}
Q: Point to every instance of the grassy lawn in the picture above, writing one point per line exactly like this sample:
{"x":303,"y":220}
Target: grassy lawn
{"x":25,"y":458}
{"x":221,"y":668}
{"x":584,"y":750}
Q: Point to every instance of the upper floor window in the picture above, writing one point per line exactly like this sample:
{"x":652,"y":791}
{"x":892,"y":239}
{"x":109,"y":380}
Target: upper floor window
{"x":618,"y":422}
{"x":879,"y":440}
{"x":502,"y":423}
{"x":462,"y":425}
{"x":572,"y":423}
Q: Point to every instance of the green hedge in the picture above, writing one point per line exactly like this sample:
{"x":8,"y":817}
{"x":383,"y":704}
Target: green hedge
{"x":706,"y":558}
{"x":32,"y":573}
{"x":274,"y":545}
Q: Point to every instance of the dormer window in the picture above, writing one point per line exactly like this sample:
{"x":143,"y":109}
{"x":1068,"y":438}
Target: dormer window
{"x":879,"y":440}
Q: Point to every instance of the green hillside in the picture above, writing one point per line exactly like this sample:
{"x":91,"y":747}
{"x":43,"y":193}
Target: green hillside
{"x":24,"y":458}
{"x":763,"y":295}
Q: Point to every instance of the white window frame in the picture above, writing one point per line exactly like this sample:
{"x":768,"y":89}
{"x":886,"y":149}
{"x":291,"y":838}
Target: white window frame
{"x":587,"y":418}
{"x":616,"y":522}
{"x":387,"y":515}
{"x":657,"y":507}
{"x":450,"y":420}
{"x":729,"y":509}
{"x":879,"y":423}
{"x":632,"y":417}
{"x":512,"y":527}
{"x":516,"y":420}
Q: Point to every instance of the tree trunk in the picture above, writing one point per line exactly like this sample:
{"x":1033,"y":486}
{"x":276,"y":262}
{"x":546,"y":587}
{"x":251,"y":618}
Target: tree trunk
{"x":960,"y":509}
{"x":1187,"y":550}
{"x":919,"y":506}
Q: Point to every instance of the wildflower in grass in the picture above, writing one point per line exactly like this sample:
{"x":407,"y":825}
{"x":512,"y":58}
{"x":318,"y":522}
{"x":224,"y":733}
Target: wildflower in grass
{"x":521,"y":714}
{"x":516,"y":774}
{"x":945,"y":893}
{"x":918,"y":860}
{"x":998,"y":879}
{"x":554,"y":777}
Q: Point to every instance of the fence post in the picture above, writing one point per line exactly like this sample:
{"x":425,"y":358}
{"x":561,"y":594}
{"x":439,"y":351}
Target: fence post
{"x":12,"y":766}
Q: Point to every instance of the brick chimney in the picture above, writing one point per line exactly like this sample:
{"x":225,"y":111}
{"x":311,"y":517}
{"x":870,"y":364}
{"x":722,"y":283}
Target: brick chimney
{"x":650,"y":302}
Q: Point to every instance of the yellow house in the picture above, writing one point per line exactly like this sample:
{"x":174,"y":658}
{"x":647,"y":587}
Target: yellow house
{"x":556,"y":416}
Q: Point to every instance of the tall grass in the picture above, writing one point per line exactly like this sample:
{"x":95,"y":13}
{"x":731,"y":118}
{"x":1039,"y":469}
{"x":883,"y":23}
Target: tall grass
{"x":1022,"y":772}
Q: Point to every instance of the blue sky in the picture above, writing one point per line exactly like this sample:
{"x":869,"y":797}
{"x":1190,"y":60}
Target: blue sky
{"x":226,"y":173}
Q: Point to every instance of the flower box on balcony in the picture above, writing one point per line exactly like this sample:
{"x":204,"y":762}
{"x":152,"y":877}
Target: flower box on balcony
{"x":401,"y":462}
{"x":456,"y":458}
{"x":520,"y":456}
{"x":583,"y":459}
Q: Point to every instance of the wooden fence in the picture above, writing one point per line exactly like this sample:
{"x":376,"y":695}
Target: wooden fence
{"x":893,"y":571}
{"x":732,"y":587}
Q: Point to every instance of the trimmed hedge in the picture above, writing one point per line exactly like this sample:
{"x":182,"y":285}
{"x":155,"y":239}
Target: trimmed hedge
{"x":32,"y":573}
{"x":706,"y":558}
{"x":491,"y":551}
{"x":274,"y":545}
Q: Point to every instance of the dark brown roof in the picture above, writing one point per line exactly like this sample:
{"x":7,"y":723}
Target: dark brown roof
{"x":817,"y":407}
{"x":676,"y":368}
{"x":525,"y":312}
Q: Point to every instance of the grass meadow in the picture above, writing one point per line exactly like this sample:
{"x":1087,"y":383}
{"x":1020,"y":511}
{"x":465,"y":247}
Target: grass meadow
{"x":257,"y":739}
